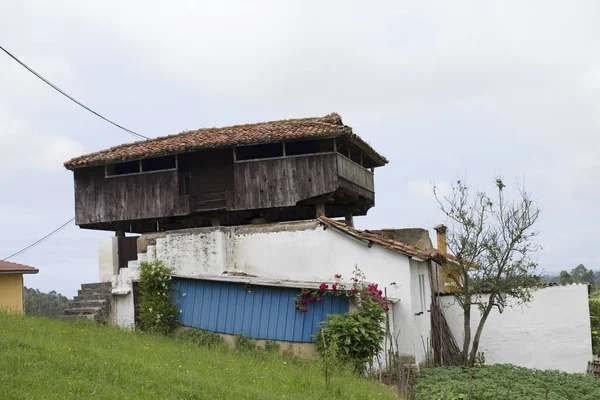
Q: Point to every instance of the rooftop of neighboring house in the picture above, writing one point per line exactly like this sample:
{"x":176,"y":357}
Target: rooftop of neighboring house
{"x":7,"y":267}
{"x":329,"y":126}
{"x":378,"y":237}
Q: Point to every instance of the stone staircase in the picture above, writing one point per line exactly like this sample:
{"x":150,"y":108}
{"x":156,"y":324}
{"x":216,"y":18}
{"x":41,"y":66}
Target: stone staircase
{"x":91,"y":304}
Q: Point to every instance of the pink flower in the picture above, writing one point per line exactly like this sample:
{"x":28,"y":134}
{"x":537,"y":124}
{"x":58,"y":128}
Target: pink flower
{"x":303,"y":301}
{"x":319,"y":299}
{"x":334,"y":287}
{"x":304,"y":309}
{"x":304,"y":294}
{"x":386,"y":308}
{"x":323,"y":286}
{"x":338,"y":276}
{"x":311,"y":300}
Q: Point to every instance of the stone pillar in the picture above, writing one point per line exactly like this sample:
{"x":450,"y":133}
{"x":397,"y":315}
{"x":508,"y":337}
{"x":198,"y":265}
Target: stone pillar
{"x":320,"y":210}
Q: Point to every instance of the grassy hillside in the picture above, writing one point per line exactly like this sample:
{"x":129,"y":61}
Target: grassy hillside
{"x":48,"y":359}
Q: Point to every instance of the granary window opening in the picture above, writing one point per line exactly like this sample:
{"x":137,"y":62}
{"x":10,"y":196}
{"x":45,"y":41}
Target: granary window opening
{"x":154,"y":164}
{"x":159,"y":163}
{"x":258,"y":151}
{"x":308,"y":147}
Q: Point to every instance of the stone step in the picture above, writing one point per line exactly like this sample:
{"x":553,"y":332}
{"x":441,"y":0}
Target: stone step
{"x":97,"y":286}
{"x":78,"y":318}
{"x":89,"y":303}
{"x":94,"y":292}
{"x":84,"y":310}
{"x":92,"y":297}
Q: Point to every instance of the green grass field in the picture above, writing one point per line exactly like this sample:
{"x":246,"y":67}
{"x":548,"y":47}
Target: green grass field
{"x":48,"y":359}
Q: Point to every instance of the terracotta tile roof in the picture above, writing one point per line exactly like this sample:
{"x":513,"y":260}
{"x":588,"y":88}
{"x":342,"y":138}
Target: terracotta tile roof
{"x":372,"y":237}
{"x":7,"y":267}
{"x":265,"y":132}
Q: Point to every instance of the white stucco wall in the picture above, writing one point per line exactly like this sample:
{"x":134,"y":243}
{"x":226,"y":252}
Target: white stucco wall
{"x":292,"y":251}
{"x":551,"y":332}
{"x":107,"y":258}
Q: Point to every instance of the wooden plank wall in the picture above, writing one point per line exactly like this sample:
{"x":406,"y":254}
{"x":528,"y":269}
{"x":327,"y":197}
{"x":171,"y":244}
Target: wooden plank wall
{"x":354,"y":173}
{"x":131,"y":197}
{"x":282,"y":182}
{"x":263,"y":312}
{"x":208,"y":176}
{"x":126,"y":250}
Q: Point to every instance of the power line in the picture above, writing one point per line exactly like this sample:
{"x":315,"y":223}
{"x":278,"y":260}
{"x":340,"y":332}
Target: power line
{"x":23,"y":250}
{"x":71,"y":98}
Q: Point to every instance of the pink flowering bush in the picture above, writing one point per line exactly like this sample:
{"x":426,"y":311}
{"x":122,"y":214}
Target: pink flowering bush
{"x":355,"y":337}
{"x":359,"y":292}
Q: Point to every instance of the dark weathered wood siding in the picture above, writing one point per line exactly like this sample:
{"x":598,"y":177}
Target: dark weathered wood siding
{"x":354,"y":173}
{"x":208,"y":177}
{"x":282,"y":182}
{"x":122,"y":198}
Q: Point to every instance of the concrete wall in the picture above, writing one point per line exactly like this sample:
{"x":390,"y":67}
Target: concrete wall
{"x":302,"y":251}
{"x":11,"y":293}
{"x":108,"y":261}
{"x":551,"y":332}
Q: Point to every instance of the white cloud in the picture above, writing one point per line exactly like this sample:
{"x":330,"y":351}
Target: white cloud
{"x":24,"y":149}
{"x":424,"y":189}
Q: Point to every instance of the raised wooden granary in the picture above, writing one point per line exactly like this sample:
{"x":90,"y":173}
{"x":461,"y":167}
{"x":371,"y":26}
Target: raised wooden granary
{"x":266,"y":172}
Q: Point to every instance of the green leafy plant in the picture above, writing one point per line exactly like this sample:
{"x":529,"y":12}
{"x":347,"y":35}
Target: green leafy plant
{"x":492,"y":382}
{"x":595,"y":324}
{"x":272,"y":346}
{"x":244,"y":343}
{"x":157,"y":312}
{"x":355,"y":337}
{"x":201,"y":337}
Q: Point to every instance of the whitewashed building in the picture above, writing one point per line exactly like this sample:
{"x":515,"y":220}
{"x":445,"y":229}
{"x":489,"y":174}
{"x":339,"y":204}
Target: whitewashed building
{"x":263,"y":267}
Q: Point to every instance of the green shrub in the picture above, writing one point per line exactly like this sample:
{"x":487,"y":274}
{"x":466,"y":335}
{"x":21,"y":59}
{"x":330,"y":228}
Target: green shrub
{"x":201,"y":337}
{"x":244,"y":343}
{"x":355,"y":337}
{"x":157,"y":312}
{"x":525,"y":384}
{"x":595,"y":324}
{"x":272,"y":346}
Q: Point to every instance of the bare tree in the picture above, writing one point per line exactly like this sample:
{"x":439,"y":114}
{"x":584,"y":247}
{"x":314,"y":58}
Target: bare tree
{"x":492,"y":240}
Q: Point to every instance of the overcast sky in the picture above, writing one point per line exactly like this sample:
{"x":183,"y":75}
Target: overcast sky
{"x":442,"y":89}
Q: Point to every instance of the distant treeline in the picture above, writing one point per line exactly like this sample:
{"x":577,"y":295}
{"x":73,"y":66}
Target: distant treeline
{"x":41,"y":304}
{"x":579,"y":274}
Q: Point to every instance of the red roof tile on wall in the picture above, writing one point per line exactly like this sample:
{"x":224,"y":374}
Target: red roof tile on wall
{"x":265,"y":132}
{"x":368,"y":236}
{"x":7,"y":267}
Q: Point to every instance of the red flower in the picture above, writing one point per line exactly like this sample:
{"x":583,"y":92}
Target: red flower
{"x":303,"y":301}
{"x":304,"y":309}
{"x":311,"y":300}
{"x":304,"y":294}
{"x":353,"y":291}
{"x":319,"y":299}
{"x":386,"y":308}
{"x":334,"y":287}
{"x":338,"y":276}
{"x":323,"y":286}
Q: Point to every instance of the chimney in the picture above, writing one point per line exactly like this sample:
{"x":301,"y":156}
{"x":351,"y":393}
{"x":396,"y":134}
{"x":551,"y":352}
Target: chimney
{"x":441,"y":230}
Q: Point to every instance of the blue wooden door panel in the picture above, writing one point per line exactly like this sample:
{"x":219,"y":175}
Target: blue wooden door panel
{"x":264,"y":312}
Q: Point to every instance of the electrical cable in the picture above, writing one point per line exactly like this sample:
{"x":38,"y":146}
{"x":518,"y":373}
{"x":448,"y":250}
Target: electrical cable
{"x":71,"y":98}
{"x":23,"y":250}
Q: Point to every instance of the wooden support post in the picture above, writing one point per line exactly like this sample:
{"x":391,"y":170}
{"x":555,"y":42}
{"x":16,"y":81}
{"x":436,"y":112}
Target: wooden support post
{"x":215,"y":221}
{"x":350,"y":219}
{"x":320,"y":210}
{"x":120,"y":233}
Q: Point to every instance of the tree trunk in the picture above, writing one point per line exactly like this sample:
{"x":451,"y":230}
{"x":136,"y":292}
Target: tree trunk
{"x":475,"y":346}
{"x":467,"y":330}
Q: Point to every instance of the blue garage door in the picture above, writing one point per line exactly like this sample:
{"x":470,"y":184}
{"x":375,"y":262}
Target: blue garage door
{"x":259,"y":312}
